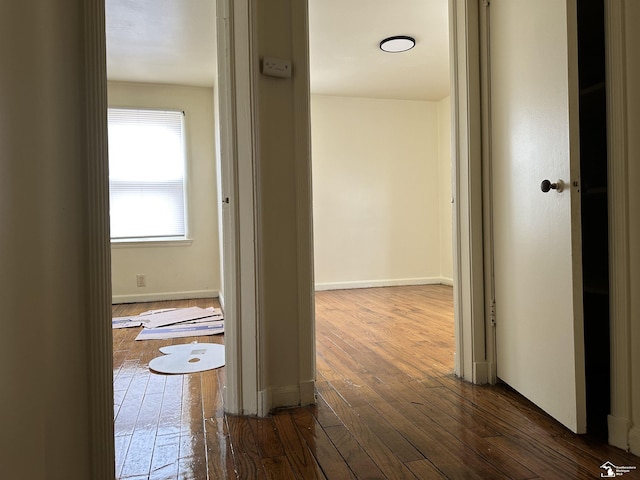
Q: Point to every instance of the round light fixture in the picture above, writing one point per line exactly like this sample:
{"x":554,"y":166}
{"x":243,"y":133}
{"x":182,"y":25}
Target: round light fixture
{"x":399,"y":43}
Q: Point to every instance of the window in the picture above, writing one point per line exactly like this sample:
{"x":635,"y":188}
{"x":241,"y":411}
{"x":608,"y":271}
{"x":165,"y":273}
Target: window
{"x":146,"y":174}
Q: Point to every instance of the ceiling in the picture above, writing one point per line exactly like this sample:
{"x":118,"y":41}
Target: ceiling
{"x":173,"y":42}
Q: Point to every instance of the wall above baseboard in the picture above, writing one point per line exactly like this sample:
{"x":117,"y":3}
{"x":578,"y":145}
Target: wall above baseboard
{"x":154,"y":297}
{"x":383,"y":283}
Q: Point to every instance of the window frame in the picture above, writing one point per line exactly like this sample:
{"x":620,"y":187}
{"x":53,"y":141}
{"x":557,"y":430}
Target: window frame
{"x":168,"y":240}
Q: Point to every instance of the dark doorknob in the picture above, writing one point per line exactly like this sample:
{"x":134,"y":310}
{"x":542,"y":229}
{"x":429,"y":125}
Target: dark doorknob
{"x":546,"y":185}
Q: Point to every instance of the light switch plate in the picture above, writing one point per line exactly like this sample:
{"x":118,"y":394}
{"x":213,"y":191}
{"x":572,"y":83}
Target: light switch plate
{"x":276,"y":67}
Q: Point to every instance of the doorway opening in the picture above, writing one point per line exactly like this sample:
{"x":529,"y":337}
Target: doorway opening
{"x":594,"y":206}
{"x":380,"y":153}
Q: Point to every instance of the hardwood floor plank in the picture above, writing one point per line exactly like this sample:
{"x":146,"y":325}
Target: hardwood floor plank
{"x":247,"y":461}
{"x":424,"y":470}
{"x":138,"y":459}
{"x":164,"y":462}
{"x":267,"y":438}
{"x":192,"y":460}
{"x":333,"y":465}
{"x":395,"y":442}
{"x":356,"y":458}
{"x":325,"y":416}
{"x":121,"y":445}
{"x":278,"y":468}
{"x":212,"y":402}
{"x":303,"y":464}
{"x":219,"y":453}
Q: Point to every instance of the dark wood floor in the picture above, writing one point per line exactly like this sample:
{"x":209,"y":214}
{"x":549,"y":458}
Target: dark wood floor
{"x":388,"y":407}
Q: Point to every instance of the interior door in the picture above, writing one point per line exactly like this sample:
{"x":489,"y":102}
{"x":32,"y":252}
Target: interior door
{"x":538,"y":278}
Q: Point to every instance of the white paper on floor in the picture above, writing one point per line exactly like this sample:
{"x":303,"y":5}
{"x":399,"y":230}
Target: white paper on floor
{"x":179,"y":315}
{"x":125,"y":322}
{"x":182,"y":330}
{"x":188,"y":358}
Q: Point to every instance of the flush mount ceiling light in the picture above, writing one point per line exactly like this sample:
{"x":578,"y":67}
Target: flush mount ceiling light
{"x":399,"y":43}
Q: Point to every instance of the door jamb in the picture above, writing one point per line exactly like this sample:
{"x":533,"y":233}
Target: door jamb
{"x":619,"y":423}
{"x":238,"y":140}
{"x":471,"y":361}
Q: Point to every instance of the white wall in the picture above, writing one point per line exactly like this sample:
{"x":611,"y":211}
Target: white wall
{"x":378,"y":166}
{"x":50,"y":191}
{"x":176,"y":271}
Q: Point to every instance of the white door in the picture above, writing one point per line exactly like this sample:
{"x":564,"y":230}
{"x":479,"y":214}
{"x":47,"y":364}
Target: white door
{"x":538,"y":273}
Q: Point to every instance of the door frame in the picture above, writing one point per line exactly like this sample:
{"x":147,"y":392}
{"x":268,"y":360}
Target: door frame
{"x":474,"y":331}
{"x":621,"y":433}
{"x":241,"y":260}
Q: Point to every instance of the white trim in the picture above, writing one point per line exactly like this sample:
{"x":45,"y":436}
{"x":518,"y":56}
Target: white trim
{"x":619,"y":273}
{"x":237,"y":64}
{"x":308,"y":391}
{"x":618,"y":432}
{"x":154,"y":297}
{"x":383,"y":283}
{"x":290,"y":396}
{"x":466,"y":155}
{"x":487,"y":195}
{"x":246,"y":66}
{"x":144,"y":243}
{"x":634,"y":441}
{"x":226,"y":130}
{"x":481,"y":372}
{"x":98,"y":254}
{"x":304,"y":210}
{"x":459,"y":354}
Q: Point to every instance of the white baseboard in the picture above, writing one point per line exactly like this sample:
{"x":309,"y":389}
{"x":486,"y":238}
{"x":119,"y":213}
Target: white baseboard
{"x":383,"y":283}
{"x":289,"y":396}
{"x":308,"y":393}
{"x":618,"y":432}
{"x":154,"y":297}
{"x":480,"y":373}
{"x":634,"y":440}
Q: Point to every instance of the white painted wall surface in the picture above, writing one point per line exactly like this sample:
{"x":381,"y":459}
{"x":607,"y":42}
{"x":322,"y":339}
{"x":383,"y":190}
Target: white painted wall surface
{"x":178,"y":271}
{"x":444,"y":185}
{"x":377,"y":192}
{"x":47,"y":243}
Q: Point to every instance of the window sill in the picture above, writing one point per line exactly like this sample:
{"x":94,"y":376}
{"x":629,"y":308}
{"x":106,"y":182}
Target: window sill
{"x":155,"y":242}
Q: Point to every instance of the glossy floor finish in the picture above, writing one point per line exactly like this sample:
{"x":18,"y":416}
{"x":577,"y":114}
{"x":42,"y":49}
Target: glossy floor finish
{"x":388,"y":407}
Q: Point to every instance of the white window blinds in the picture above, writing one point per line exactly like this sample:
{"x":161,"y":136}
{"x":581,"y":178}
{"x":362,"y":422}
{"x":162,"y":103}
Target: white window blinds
{"x":146,"y":173}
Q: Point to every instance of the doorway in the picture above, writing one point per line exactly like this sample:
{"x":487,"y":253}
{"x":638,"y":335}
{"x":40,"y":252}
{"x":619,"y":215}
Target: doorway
{"x":594,"y":212}
{"x":381,"y":149}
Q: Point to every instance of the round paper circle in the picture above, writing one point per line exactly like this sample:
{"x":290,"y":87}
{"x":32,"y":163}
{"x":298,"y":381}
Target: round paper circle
{"x":188,"y":358}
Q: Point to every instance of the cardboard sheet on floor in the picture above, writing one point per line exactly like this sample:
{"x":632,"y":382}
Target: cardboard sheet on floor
{"x":188,"y":358}
{"x":125,"y":322}
{"x":182,"y":330}
{"x":178,"y":315}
